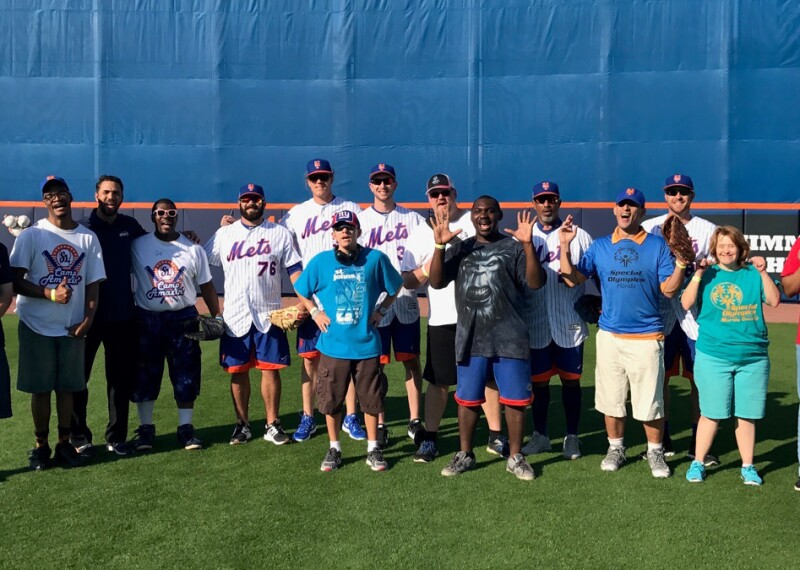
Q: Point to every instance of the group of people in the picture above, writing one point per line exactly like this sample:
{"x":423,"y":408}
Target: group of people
{"x":502,"y":320}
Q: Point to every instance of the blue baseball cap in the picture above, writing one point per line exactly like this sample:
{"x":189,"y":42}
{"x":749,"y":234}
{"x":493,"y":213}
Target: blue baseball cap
{"x":679,"y":180}
{"x":382,"y":168}
{"x":251,"y":190}
{"x":318,"y":166}
{"x":631,"y":194}
{"x":545,"y":188}
{"x":49,"y":180}
{"x":345,"y":217}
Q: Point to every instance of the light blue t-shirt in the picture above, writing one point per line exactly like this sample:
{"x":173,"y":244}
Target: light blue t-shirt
{"x":348,"y":293}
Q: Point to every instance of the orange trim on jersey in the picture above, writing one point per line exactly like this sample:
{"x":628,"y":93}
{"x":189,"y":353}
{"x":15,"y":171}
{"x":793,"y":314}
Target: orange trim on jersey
{"x":619,"y":235}
{"x":468,"y":403}
{"x":404,"y":356}
{"x":261,"y":365}
{"x":640,"y":336}
{"x":564,"y":375}
{"x":508,"y":402}
{"x":385,"y":359}
{"x":544,"y":376}
{"x":310,"y":355}
{"x":239,"y":368}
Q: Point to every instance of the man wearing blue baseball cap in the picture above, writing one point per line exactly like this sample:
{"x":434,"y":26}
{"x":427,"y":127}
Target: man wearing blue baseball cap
{"x":634,"y":269}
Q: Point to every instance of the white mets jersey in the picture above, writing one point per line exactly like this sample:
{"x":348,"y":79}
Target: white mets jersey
{"x":310,"y":225}
{"x":389,"y":233}
{"x":167,"y":274}
{"x":253,"y":259}
{"x":552,"y":313}
{"x":700,"y":231}
{"x":419,"y":250}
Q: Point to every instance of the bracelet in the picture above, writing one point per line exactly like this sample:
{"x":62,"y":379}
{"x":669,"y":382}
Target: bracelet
{"x":439,"y":246}
{"x":314,"y":312}
{"x":679,"y":265}
{"x":696,"y":279}
{"x":53,"y":295}
{"x":424,"y":271}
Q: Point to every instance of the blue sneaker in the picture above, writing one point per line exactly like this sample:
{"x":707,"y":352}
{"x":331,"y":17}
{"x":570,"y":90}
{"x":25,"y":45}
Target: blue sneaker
{"x":306,"y":429}
{"x":750,"y":476}
{"x":696,"y":472}
{"x":352,"y":427}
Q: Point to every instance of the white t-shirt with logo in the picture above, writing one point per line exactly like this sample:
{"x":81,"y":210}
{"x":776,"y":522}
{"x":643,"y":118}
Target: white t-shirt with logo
{"x":167,"y":274}
{"x":49,"y":254}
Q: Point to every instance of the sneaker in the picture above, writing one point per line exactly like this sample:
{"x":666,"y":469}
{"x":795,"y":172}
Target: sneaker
{"x":427,"y":452}
{"x":66,"y":455}
{"x":120,"y":448}
{"x":750,"y":476}
{"x":666,"y":443}
{"x":658,"y":465}
{"x":572,"y":447}
{"x":83,"y":446}
{"x":145,"y":437}
{"x":710,"y":460}
{"x":536,"y":444}
{"x":383,"y":436}
{"x":187,"y":439}
{"x":797,"y":484}
{"x":274,"y":433}
{"x":498,"y":446}
{"x":332,"y":460}
{"x":520,"y":467}
{"x":415,"y":429}
{"x":696,"y":472}
{"x":241,"y":434}
{"x":614,"y":459}
{"x":352,"y":427}
{"x":376,"y":461}
{"x":39,"y":458}
{"x":460,"y":463}
{"x":306,"y":429}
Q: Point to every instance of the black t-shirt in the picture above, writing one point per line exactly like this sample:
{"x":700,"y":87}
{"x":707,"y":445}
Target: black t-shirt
{"x":116,"y":298}
{"x":491,"y":298}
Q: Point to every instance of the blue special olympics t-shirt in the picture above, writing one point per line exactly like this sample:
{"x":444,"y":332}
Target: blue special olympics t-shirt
{"x":349,"y":292}
{"x":630,"y":271}
{"x":730,"y":316}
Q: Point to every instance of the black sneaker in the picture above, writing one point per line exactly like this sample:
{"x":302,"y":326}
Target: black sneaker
{"x":120,"y":448}
{"x":241,"y":434}
{"x":426,"y":453}
{"x":66,"y":455}
{"x":332,"y":460}
{"x":797,"y":484}
{"x":414,"y":428}
{"x":274,"y":433}
{"x":376,"y":461}
{"x":383,"y":436}
{"x":145,"y":437}
{"x":39,"y":458}
{"x":83,"y":446}
{"x":187,"y":438}
{"x":498,"y":446}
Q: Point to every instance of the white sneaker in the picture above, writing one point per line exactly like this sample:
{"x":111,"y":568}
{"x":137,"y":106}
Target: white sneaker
{"x":572,"y":447}
{"x":658,"y":465}
{"x":536,"y":444}
{"x":614,"y":459}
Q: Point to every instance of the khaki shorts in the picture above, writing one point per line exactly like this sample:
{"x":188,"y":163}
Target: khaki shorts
{"x":333,"y":378}
{"x":624,"y":363}
{"x":50,"y":363}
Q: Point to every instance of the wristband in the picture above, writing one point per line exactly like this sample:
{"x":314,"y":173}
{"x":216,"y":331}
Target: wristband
{"x":314,"y":312}
{"x":439,"y":246}
{"x":679,"y":265}
{"x":696,"y":279}
{"x":53,"y":295}
{"x":424,"y":271}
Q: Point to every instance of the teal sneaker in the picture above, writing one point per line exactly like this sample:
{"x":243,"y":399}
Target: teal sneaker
{"x":696,"y":472}
{"x":750,"y":476}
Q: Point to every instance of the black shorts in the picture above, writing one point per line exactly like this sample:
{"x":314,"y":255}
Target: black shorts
{"x":440,"y":356}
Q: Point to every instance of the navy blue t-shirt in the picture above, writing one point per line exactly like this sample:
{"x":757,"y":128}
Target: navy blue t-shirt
{"x":116,"y":297}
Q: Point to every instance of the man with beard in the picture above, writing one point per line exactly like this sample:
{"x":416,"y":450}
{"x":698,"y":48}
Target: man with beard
{"x":634,"y":268}
{"x":168,"y":270}
{"x":253,"y":254}
{"x":57,"y":266}
{"x":557,"y":332}
{"x":492,"y":274}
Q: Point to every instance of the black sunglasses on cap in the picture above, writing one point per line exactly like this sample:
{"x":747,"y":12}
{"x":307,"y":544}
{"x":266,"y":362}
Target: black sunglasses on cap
{"x":675,"y":190}
{"x":548,"y":199}
{"x":437,"y":193}
{"x":319,"y":177}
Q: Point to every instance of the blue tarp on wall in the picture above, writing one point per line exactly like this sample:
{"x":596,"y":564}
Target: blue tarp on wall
{"x":192,"y":98}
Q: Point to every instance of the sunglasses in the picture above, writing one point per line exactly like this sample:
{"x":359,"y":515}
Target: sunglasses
{"x":319,"y":177}
{"x":437,"y":193}
{"x":546,"y":200}
{"x":249,"y":199}
{"x":675,"y":190}
{"x":381,"y":181}
{"x":171,"y":213}
{"x":342,"y":227}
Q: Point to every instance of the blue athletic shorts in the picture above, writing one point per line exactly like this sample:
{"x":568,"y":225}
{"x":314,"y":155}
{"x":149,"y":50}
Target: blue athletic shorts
{"x":511,"y":374}
{"x":265,"y":351}
{"x":553,"y":359}
{"x":161,"y":337}
{"x":678,"y":348}
{"x":405,"y":338}
{"x":307,"y":337}
{"x":720,"y":381}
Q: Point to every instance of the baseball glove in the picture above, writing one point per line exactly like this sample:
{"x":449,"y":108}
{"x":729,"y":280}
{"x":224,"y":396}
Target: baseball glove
{"x":674,"y":231}
{"x":203,"y":328}
{"x":589,"y":308}
{"x":288,"y":318}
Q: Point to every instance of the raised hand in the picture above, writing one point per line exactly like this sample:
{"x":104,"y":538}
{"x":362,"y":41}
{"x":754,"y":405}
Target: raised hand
{"x":567,"y":232}
{"x":441,"y":227}
{"x":524,"y":231}
{"x":759,"y":263}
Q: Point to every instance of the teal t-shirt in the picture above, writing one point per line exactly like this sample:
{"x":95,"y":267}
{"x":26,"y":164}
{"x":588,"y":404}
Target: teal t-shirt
{"x":730,"y":317}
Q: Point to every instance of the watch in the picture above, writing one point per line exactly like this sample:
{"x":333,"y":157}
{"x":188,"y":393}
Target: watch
{"x":383,"y":311}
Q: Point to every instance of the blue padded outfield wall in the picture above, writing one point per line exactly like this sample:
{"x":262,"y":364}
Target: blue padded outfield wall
{"x":192,"y":98}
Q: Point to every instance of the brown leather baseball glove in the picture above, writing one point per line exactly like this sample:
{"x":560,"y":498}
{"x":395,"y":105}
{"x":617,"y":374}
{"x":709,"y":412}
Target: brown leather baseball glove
{"x":674,"y":232}
{"x":288,"y":318}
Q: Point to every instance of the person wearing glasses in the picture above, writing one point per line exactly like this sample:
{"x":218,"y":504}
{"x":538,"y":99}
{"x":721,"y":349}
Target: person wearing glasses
{"x":557,"y":332}
{"x":386,"y":226}
{"x":57,"y":267}
{"x":254,"y":253}
{"x":340,"y":288}
{"x":168,"y":270}
{"x":310,"y":225}
{"x":680,"y":325}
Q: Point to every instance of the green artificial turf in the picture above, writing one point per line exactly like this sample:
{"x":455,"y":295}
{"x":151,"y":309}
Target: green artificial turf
{"x":261,"y":506}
